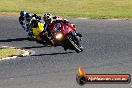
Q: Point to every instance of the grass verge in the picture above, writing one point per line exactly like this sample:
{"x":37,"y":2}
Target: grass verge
{"x":72,"y":8}
{"x":9,"y":52}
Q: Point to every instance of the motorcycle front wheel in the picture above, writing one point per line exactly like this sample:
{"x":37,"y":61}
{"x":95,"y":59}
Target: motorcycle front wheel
{"x":74,"y":45}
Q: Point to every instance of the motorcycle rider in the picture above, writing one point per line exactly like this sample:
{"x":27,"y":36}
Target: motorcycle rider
{"x":24,"y":19}
{"x":37,"y":26}
{"x":49,"y":19}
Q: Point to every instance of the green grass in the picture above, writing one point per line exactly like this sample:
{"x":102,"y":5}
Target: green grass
{"x":72,"y":8}
{"x":7,"y":52}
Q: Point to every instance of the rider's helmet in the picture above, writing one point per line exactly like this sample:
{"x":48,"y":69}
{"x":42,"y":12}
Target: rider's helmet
{"x":22,"y":13}
{"x":34,"y":22}
{"x":47,"y":18}
{"x":28,"y":16}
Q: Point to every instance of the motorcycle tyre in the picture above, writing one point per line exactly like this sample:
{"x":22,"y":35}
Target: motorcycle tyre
{"x":76,"y":48}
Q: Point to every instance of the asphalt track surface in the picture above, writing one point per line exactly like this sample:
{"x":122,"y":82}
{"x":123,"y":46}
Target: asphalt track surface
{"x":107,"y":49}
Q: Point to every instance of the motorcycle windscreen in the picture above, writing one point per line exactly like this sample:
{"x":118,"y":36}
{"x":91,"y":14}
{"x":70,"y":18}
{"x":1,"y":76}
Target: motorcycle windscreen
{"x":57,"y":27}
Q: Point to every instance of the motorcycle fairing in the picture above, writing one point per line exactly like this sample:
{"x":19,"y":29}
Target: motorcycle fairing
{"x":39,"y":29}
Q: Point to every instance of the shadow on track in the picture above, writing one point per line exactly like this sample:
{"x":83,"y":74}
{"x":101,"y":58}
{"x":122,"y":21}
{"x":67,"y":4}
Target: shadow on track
{"x":36,"y":47}
{"x":53,"y":54}
{"x":16,"y":39}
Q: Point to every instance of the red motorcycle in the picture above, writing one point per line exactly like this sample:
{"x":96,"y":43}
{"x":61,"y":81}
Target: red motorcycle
{"x":65,"y":36}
